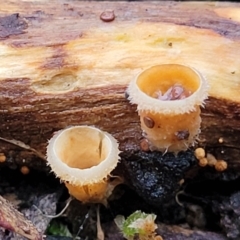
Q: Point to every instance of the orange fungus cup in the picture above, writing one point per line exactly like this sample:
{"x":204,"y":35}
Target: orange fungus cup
{"x":83,"y":158}
{"x":168,"y":99}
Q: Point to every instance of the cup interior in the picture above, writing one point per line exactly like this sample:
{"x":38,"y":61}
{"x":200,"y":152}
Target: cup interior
{"x":82,"y":147}
{"x":161,"y":78}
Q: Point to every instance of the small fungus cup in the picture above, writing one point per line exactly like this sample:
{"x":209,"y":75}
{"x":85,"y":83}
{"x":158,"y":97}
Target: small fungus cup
{"x":83,"y":157}
{"x":168,"y":99}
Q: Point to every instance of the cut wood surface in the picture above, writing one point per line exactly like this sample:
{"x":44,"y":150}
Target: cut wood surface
{"x":62,"y":65}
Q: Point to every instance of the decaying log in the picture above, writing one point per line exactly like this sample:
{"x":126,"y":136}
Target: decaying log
{"x":62,"y":65}
{"x":14,"y":221}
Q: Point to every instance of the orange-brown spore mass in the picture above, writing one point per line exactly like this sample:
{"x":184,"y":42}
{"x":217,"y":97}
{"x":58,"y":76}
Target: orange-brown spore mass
{"x":221,"y":165}
{"x":199,"y":153}
{"x":25,"y":170}
{"x":203,"y":162}
{"x":211,"y":160}
{"x":2,"y":158}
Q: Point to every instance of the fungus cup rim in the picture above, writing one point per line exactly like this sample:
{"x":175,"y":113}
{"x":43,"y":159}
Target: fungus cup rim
{"x":147,"y":103}
{"x":86,"y":176}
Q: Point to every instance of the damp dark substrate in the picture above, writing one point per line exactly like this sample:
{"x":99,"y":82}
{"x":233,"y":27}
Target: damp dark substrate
{"x":209,"y":201}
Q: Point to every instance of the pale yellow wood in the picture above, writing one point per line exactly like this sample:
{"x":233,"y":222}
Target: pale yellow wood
{"x":61,"y":65}
{"x":95,"y":53}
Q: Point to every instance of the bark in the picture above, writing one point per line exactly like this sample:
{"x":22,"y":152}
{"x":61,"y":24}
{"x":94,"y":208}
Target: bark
{"x":179,"y":233}
{"x":14,"y":221}
{"x":62,"y":65}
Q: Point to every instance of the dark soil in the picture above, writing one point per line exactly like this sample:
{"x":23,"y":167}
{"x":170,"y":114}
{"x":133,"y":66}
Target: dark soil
{"x":207,"y":201}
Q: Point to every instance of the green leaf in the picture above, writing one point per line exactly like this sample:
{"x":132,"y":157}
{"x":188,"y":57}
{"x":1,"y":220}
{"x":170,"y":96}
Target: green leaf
{"x":56,"y":228}
{"x":135,"y":222}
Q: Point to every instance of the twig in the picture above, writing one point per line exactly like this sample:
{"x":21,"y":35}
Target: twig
{"x":24,"y":146}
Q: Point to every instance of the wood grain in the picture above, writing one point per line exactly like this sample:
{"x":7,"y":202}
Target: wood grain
{"x":13,"y":220}
{"x":62,"y":65}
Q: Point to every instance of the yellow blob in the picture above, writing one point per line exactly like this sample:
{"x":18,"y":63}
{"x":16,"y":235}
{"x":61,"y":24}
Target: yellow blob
{"x":25,"y":170}
{"x":220,"y":140}
{"x":2,"y":158}
{"x":211,"y":160}
{"x":203,"y":162}
{"x":199,"y":153}
{"x":221,"y":165}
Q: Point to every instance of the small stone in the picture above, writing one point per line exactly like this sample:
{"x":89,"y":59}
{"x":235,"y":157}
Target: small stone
{"x":181,"y":182}
{"x":144,"y":145}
